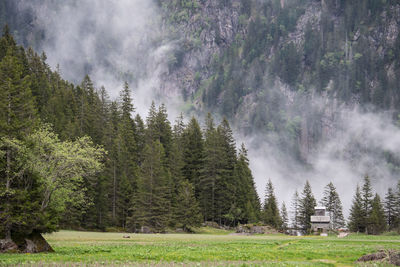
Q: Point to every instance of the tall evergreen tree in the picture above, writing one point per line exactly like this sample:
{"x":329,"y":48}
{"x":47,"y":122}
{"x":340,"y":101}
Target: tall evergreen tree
{"x":307,"y":205}
{"x":333,"y":205}
{"x":246,"y":197}
{"x":127,"y":162}
{"x":225,"y":186}
{"x":295,"y":205}
{"x":193,"y":152}
{"x":270,"y":209}
{"x":284,"y":217}
{"x":211,"y":172}
{"x":366,"y":195}
{"x":357,"y":217}
{"x":187,"y":211}
{"x":390,"y":208}
{"x":152,"y":203}
{"x":377,"y":220}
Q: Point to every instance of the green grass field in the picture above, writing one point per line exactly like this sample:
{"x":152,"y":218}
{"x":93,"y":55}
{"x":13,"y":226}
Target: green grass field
{"x":210,"y":249}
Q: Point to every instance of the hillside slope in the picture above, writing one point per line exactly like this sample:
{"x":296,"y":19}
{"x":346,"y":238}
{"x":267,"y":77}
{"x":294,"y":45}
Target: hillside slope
{"x":266,"y":65}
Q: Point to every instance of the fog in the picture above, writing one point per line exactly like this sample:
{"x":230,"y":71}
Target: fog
{"x":122,"y":40}
{"x":112,"y":41}
{"x":357,"y":148}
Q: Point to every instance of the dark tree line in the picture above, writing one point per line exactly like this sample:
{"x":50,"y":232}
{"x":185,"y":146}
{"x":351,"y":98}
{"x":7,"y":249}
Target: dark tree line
{"x":372,"y":215}
{"x":154,"y":174}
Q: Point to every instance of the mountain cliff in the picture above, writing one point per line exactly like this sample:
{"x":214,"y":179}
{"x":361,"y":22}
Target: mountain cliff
{"x":284,"y":67}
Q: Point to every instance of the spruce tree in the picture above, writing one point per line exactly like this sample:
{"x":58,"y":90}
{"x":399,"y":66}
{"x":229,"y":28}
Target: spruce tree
{"x":187,"y":211}
{"x":193,"y":152}
{"x":127,"y":162}
{"x":175,"y":166}
{"x":246,"y":199}
{"x":390,"y":208}
{"x":211,"y":172}
{"x":333,"y":205}
{"x":366,"y":195}
{"x":152,"y":207}
{"x":307,"y":205}
{"x":357,"y":217}
{"x":225,"y":186}
{"x":295,"y":210}
{"x":377,"y":220}
{"x":270,"y":209}
{"x":284,"y":217}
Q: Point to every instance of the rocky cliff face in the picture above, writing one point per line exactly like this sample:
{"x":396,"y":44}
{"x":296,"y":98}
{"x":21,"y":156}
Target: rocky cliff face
{"x":310,"y":60}
{"x":201,"y":31}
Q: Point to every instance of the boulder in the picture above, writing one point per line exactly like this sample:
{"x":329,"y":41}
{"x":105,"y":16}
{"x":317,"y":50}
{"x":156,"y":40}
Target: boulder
{"x":32,"y":243}
{"x":8,"y":246}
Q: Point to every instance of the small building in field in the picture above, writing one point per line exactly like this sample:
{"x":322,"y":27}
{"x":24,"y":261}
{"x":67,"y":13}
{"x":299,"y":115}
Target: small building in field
{"x":320,"y":222}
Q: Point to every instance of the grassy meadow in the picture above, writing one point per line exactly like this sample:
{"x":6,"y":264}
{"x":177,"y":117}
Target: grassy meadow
{"x":209,"y":248}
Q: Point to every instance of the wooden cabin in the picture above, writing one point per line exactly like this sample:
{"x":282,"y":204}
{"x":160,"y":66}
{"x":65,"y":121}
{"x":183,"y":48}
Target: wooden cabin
{"x":320,"y":222}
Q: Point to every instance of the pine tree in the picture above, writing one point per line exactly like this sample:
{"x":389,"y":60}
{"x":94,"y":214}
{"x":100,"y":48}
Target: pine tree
{"x":357,"y":217}
{"x":366,"y":195}
{"x":295,"y":210}
{"x":307,"y":205}
{"x":187,"y":211}
{"x":333,"y":205}
{"x":390,"y":208}
{"x":377,"y":220}
{"x":271,"y":210}
{"x":193,"y":152}
{"x":127,"y":163}
{"x":246,"y":199}
{"x":152,"y":203}
{"x":211,"y":172}
{"x":225,"y":186}
{"x":284,"y":217}
{"x":176,"y":163}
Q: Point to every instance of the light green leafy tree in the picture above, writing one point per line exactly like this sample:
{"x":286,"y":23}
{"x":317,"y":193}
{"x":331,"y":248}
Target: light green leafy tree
{"x":45,"y":174}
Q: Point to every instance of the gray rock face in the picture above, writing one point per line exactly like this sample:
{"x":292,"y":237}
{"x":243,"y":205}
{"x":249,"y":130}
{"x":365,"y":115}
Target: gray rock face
{"x":209,"y":29}
{"x":213,"y":26}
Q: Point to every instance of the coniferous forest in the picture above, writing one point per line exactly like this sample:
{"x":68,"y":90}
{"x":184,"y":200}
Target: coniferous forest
{"x":105,"y":167}
{"x":72,"y":158}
